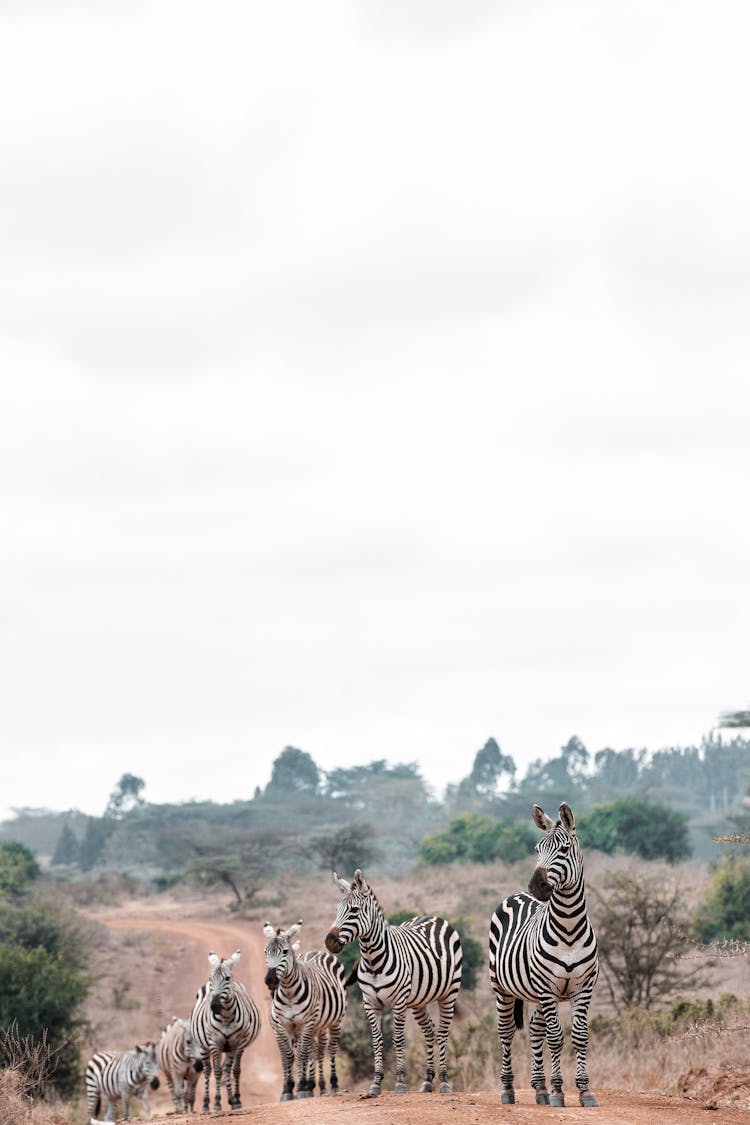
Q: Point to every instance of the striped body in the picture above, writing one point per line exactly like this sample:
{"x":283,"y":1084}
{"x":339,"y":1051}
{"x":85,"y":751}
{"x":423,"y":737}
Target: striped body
{"x":401,"y":967}
{"x":224,"y":1021}
{"x":180,"y":1059}
{"x":542,"y":949}
{"x":307,"y":1007}
{"x":119,"y":1076}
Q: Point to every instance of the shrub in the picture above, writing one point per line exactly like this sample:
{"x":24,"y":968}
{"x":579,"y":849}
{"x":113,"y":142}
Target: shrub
{"x":472,"y":838}
{"x":644,"y":828}
{"x":18,"y":868}
{"x":725,"y":911}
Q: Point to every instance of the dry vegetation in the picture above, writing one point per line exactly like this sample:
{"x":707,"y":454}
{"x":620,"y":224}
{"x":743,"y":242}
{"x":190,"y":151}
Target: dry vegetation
{"x":141,"y":984}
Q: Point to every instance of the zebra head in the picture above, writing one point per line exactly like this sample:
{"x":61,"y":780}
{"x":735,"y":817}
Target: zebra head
{"x":148,"y":1067}
{"x":280,"y":952}
{"x":559,"y":860}
{"x":356,"y":913}
{"x":220,"y":981}
{"x":192,"y":1048}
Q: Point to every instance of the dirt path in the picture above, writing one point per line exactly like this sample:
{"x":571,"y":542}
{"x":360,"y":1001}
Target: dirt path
{"x":186,"y":967}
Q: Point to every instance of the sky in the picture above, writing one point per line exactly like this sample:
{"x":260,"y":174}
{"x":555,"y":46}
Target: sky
{"x":373,"y":380}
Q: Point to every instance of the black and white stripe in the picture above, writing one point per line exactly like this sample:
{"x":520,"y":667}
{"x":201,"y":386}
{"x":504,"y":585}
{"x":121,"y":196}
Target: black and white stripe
{"x":543,"y":950}
{"x":119,"y":1076}
{"x":224,"y":1020}
{"x":400,"y":967}
{"x":307,"y":1006}
{"x":180,"y":1058}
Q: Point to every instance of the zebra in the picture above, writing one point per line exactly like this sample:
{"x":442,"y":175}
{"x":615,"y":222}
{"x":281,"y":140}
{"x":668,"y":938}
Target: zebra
{"x":225,"y":1019}
{"x":400,"y":967}
{"x":120,"y":1076}
{"x":180,"y":1059}
{"x":307,"y":1006}
{"x":543,"y":950}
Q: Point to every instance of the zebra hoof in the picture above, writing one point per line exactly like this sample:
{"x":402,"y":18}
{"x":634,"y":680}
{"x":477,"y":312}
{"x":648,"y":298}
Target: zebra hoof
{"x":508,"y":1097}
{"x":446,"y":1088}
{"x":399,"y":1088}
{"x":542,"y":1097}
{"x":557,"y":1099}
{"x":586,"y":1098}
{"x":374,"y":1090}
{"x":286,"y":1098}
{"x":425,"y":1088}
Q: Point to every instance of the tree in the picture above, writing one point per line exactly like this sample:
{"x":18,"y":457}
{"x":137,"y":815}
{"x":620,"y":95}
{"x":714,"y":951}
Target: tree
{"x":346,"y":848}
{"x":734,"y":719}
{"x":66,"y":849}
{"x":640,"y":927}
{"x":18,"y":868}
{"x":95,"y":837}
{"x":642,"y":828}
{"x":294,"y":771}
{"x":125,"y":796}
{"x":490,"y":766}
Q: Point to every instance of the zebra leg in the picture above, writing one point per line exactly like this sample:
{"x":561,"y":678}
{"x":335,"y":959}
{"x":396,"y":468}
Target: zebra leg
{"x":305,"y":1059}
{"x":399,"y":1043}
{"x":218,"y":1077}
{"x":422,"y":1016}
{"x":536,"y":1042}
{"x":446,"y":1008}
{"x":333,"y":1045}
{"x":506,"y":1029}
{"x":207,"y":1058}
{"x":555,"y":1044}
{"x":236,"y":1067}
{"x":321,"y":1045}
{"x":375,"y":1019}
{"x":143,"y":1099}
{"x":580,"y":1037}
{"x":286,"y":1050}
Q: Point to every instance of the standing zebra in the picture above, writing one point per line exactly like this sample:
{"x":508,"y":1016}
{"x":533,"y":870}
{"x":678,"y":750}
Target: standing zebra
{"x":543,"y":949}
{"x":400,"y":967}
{"x":180,"y":1059}
{"x":307,"y":1007}
{"x":120,"y":1076}
{"x":224,"y":1019}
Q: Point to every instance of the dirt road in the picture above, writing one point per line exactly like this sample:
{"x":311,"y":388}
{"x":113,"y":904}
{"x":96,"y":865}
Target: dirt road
{"x":187,"y":941}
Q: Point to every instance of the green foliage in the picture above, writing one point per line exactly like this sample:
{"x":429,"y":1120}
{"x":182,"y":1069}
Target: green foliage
{"x":725,"y":911}
{"x":95,"y":838}
{"x":474,"y":955}
{"x":43,"y":984}
{"x":18,"y":868}
{"x":472,"y":838}
{"x":644,"y":828}
{"x":490,"y":767}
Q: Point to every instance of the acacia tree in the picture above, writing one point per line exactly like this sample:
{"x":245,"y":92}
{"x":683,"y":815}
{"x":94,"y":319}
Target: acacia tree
{"x":641,"y":928}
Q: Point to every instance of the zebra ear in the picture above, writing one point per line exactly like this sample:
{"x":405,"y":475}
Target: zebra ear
{"x":344,"y":887}
{"x":566,"y":818}
{"x":268,"y":930}
{"x":231,"y":961}
{"x":293,"y":929}
{"x":295,"y":947}
{"x":213,"y":960}
{"x":360,"y":881}
{"x":541,"y":820}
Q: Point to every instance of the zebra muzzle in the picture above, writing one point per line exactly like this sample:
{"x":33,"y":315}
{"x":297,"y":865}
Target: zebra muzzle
{"x":334,"y":944}
{"x":154,"y":1083}
{"x":539,"y":887}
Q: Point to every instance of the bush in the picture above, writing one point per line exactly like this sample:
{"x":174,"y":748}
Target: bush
{"x":18,"y":868}
{"x":472,"y":838}
{"x":725,"y":911}
{"x":644,"y":828}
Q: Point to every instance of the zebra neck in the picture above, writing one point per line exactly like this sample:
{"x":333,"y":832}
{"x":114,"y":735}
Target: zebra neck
{"x":568,"y":907}
{"x":375,"y":940}
{"x":291,"y":978}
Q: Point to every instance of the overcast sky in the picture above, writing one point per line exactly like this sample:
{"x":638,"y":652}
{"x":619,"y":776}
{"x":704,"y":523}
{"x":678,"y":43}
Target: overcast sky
{"x":374,"y":379}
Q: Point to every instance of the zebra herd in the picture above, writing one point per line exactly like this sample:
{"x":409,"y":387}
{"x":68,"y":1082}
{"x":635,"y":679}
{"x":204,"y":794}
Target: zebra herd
{"x":542,"y":950}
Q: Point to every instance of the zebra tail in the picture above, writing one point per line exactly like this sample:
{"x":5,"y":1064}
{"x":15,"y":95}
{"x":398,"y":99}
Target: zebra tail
{"x":352,"y":978}
{"x":518,"y":1013}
